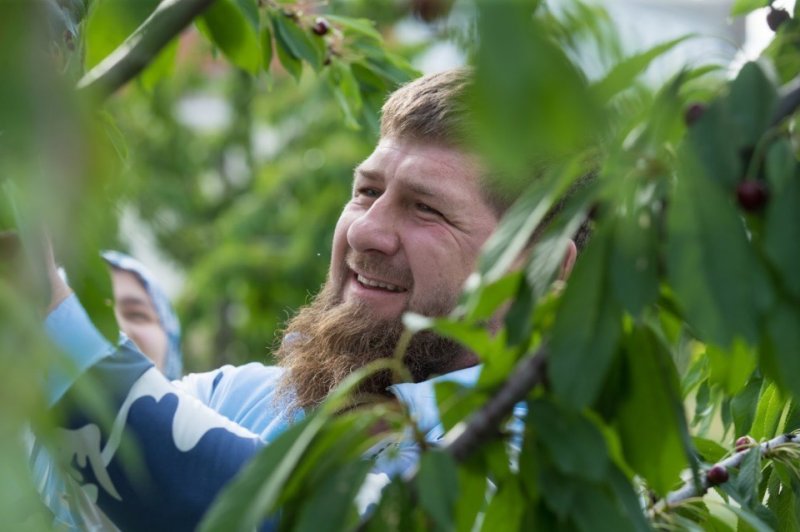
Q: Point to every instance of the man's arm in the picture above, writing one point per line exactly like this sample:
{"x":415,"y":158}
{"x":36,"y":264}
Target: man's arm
{"x":164,"y":457}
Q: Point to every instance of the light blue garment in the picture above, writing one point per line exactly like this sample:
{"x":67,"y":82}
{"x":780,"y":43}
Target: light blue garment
{"x":173,"y":365}
{"x":225,"y":415}
{"x":76,"y":512}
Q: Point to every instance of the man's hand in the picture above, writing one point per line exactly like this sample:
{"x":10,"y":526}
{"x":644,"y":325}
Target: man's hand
{"x":59,"y":290}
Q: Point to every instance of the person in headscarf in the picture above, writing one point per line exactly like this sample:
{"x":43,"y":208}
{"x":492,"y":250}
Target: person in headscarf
{"x":145,"y":315}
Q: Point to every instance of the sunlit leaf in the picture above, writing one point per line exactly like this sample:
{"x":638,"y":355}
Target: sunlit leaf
{"x":227,"y":26}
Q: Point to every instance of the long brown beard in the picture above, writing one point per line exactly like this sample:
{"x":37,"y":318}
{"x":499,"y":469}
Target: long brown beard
{"x":327,"y":341}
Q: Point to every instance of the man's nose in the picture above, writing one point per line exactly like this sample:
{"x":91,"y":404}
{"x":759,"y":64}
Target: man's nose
{"x":375,"y":229}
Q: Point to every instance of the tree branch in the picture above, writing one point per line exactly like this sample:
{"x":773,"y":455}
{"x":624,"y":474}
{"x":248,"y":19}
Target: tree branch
{"x":690,"y":490}
{"x":465,"y":438}
{"x":139,"y":49}
{"x":789,"y":102}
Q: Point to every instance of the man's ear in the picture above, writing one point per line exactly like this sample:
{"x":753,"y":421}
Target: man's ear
{"x":570,"y":255}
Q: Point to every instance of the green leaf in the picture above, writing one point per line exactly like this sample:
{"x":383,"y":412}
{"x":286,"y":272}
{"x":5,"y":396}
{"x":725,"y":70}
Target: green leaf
{"x":749,"y":478}
{"x":743,"y":7}
{"x":633,"y":260}
{"x":252,"y":495}
{"x":710,"y":264}
{"x":226,"y":26}
{"x":266,"y":46}
{"x":710,"y":451}
{"x":783,"y":218}
{"x":624,"y":73}
{"x":298,"y":41}
{"x":505,"y":508}
{"x":714,"y":140}
{"x":751,"y":102}
{"x":347,"y":92}
{"x":768,"y":413}
{"x":456,"y":402}
{"x":437,"y":485}
{"x":780,"y":358}
{"x":472,"y":484}
{"x":356,"y":26}
{"x":484,"y":300}
{"x":575,"y":445}
{"x":288,"y":60}
{"x":331,"y":503}
{"x":598,"y":506}
{"x":524,"y":116}
{"x":731,"y":369}
{"x":587,"y":327}
{"x":648,"y":425}
{"x":396,"y":511}
{"x":743,"y":406}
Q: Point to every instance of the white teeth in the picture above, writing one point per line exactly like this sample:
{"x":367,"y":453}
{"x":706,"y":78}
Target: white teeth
{"x":377,"y":284}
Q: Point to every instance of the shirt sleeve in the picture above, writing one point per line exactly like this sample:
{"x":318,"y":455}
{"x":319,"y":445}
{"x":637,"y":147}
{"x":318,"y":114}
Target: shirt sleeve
{"x":154,"y":457}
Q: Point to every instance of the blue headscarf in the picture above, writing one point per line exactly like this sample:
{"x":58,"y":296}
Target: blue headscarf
{"x":173,"y":361}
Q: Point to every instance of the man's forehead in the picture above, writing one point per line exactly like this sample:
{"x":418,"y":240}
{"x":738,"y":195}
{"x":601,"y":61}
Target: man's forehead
{"x":419,"y":161}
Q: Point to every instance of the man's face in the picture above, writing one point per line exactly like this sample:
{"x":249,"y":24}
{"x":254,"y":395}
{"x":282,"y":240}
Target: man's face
{"x":412,"y":231}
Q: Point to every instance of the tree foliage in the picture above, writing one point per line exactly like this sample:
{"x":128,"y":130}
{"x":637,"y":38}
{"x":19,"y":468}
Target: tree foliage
{"x":677,"y":332}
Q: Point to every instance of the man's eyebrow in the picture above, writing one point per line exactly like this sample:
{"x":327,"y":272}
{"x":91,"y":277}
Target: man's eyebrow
{"x":132,"y":300}
{"x":416,"y":187}
{"x":373,"y":175}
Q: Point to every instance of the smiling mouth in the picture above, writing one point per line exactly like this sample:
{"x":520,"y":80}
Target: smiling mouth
{"x":370,"y":283}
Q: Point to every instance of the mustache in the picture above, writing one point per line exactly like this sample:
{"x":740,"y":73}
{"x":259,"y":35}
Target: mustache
{"x":375,"y":265}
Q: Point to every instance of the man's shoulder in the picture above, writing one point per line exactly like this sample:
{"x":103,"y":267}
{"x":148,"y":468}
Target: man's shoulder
{"x":247,"y":395}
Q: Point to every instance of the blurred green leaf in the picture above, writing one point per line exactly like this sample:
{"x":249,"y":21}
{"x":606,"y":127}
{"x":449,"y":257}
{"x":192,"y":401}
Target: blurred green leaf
{"x":524,"y":117}
{"x":472,"y":497}
{"x":266,"y":46}
{"x":624,"y":73}
{"x":227,"y":26}
{"x":717,"y":152}
{"x":633,"y":260}
{"x":751,"y":101}
{"x":587,"y":327}
{"x":743,"y":7}
{"x":505,"y":509}
{"x":437,"y":484}
{"x":647,"y":418}
{"x":357,"y":26}
{"x":575,"y":445}
{"x":783,"y":218}
{"x":731,"y":369}
{"x":710,"y":265}
{"x":779,"y":356}
{"x":331,"y":503}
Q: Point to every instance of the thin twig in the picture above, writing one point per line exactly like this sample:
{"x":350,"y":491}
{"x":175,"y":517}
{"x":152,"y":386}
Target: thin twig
{"x":689,"y":490}
{"x":141,"y":47}
{"x":483,"y":425}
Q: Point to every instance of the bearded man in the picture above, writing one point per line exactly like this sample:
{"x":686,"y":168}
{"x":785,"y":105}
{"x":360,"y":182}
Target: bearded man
{"x":406,"y":241}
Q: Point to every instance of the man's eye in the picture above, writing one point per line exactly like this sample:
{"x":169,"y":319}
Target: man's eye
{"x":422,"y":207}
{"x":368,"y":192}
